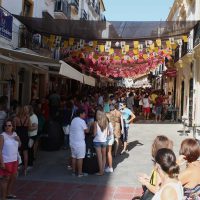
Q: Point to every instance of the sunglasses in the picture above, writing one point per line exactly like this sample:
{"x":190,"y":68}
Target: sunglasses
{"x":8,"y":125}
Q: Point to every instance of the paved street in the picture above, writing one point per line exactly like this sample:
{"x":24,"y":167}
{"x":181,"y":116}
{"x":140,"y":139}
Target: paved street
{"x":50,"y":178}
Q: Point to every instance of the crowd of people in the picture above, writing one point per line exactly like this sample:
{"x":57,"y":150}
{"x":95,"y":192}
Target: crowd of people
{"x":105,"y":115}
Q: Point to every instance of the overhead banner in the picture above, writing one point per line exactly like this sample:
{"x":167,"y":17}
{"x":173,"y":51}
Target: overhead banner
{"x":6,"y":22}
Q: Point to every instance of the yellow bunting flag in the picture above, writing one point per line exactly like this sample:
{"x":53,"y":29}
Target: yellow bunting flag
{"x":158,"y":42}
{"x":168,"y":43}
{"x":95,"y":43}
{"x":127,"y":48}
{"x":101,"y":48}
{"x":66,"y":43}
{"x":145,"y":56}
{"x":174,"y":46}
{"x":135,"y":44}
{"x":152,"y":46}
{"x":71,"y":41}
{"x":116,"y":58}
{"x":156,"y":49}
{"x":111,"y":51}
{"x":185,"y":38}
{"x":135,"y":51}
{"x":52,"y":38}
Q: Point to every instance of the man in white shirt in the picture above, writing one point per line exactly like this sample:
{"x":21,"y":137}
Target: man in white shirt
{"x":78,"y":128}
{"x":32,"y":135}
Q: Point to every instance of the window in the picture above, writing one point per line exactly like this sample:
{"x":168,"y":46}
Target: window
{"x":28,"y":8}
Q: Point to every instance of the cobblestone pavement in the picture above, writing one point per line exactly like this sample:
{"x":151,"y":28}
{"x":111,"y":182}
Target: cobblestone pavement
{"x":50,"y":178}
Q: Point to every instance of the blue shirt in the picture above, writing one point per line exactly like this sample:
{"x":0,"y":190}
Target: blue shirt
{"x":126,"y":114}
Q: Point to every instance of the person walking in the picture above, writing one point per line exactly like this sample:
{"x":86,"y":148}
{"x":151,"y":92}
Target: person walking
{"x":78,"y":128}
{"x":32,"y":133}
{"x":128,"y":117}
{"x":9,"y":143}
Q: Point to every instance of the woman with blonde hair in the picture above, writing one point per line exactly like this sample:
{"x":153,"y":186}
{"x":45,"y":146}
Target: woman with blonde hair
{"x":101,"y":131}
{"x":22,"y":124}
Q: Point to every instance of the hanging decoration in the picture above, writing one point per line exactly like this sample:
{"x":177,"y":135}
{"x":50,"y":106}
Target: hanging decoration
{"x":115,"y":59}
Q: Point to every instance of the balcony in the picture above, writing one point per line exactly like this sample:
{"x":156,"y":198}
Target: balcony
{"x":197,"y":34}
{"x":75,"y":5}
{"x":84,"y":15}
{"x":94,"y":7}
{"x":62,"y":10}
{"x":183,"y":50}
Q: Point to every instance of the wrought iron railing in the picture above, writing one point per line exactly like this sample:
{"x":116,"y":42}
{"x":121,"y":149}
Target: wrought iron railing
{"x":197,"y":34}
{"x":84,"y":15}
{"x":75,"y":3}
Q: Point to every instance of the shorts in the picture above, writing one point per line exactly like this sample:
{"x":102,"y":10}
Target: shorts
{"x":110,"y":140}
{"x":125,"y":134}
{"x":78,"y":152}
{"x":158,"y":110}
{"x":100,"y":144}
{"x":10,"y":169}
{"x":146,"y":110}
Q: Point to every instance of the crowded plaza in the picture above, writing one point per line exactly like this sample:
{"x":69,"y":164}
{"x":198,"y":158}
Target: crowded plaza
{"x":96,"y":105}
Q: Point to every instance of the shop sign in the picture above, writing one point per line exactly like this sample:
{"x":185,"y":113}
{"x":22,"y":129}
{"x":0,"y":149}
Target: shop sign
{"x":170,"y":72}
{"x":6,"y":22}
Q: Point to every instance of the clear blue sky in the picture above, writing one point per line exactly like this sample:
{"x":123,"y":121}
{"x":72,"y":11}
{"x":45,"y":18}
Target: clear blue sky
{"x":137,"y":10}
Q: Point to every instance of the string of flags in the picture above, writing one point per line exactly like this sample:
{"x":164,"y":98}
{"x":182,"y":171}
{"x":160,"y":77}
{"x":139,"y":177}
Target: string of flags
{"x":116,"y":58}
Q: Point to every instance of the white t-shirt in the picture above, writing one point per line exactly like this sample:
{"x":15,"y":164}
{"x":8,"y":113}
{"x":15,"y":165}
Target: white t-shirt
{"x":146,"y":103}
{"x":77,"y":133}
{"x":34,"y":120}
{"x":10,"y":148}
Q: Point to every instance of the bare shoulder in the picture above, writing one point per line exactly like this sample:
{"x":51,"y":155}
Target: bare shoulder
{"x":169,"y":193}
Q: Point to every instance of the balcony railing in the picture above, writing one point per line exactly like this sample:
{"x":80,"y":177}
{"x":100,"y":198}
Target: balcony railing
{"x":182,"y":50}
{"x":63,"y":7}
{"x":75,"y":3}
{"x":84,"y":15}
{"x":197,"y":34}
{"x":102,"y":17}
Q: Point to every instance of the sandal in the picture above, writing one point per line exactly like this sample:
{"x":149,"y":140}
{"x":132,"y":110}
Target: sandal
{"x":11,"y":196}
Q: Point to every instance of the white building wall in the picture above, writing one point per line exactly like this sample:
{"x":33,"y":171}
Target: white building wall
{"x":43,"y":5}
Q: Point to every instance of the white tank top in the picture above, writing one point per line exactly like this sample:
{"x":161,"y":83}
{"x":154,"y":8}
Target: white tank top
{"x":101,"y":136}
{"x":10,"y":148}
{"x":177,"y":186}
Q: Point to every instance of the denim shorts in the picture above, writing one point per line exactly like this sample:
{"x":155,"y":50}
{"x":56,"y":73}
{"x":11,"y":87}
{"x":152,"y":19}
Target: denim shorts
{"x":110,"y":140}
{"x":100,"y":144}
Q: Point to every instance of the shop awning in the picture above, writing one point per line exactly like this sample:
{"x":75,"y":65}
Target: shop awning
{"x":88,"y":80}
{"x":70,"y":72}
{"x":23,"y":56}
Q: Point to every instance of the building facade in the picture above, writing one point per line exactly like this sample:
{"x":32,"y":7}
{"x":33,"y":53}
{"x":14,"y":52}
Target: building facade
{"x":187,"y":63}
{"x":24,"y":64}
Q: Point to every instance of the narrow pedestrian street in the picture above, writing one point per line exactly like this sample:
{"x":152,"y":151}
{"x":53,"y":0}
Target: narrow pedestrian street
{"x":50,"y":178}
